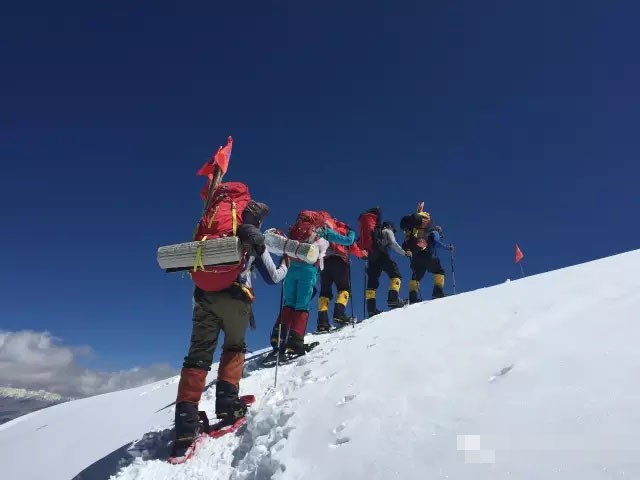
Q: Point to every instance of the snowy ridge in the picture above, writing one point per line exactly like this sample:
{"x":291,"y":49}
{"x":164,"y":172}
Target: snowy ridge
{"x":530,"y":379}
{"x":24,"y":394}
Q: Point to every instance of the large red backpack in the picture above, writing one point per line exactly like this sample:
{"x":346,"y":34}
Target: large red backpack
{"x":342,"y":229}
{"x":222,"y":219}
{"x":369,"y":229}
{"x":306,"y":225}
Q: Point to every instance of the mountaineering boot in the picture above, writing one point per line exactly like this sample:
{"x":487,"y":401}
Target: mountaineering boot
{"x":277,"y":328}
{"x":393,"y":300}
{"x":414,"y":288}
{"x":229,"y":407}
{"x":438,"y":286}
{"x":339,"y":315}
{"x":295,"y":344}
{"x":372,"y":310}
{"x":323,"y":315}
{"x":187,"y":421}
{"x":323,"y":322}
{"x":295,"y":322}
{"x":188,"y":427}
{"x":437,"y":293}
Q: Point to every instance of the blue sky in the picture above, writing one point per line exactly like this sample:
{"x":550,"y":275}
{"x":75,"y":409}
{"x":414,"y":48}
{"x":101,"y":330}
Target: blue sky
{"x":512,"y":121}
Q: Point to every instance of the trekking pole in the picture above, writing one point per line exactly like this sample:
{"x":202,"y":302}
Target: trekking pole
{"x":353,"y":315}
{"x":364,"y":296}
{"x":453,"y":273}
{"x":275,"y":380}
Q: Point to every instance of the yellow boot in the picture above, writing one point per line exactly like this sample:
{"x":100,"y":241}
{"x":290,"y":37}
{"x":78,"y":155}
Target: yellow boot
{"x":394,"y":300}
{"x":370,"y":295}
{"x":323,"y":315}
{"x":339,"y":310}
{"x":414,"y":291}
{"x":438,"y":286}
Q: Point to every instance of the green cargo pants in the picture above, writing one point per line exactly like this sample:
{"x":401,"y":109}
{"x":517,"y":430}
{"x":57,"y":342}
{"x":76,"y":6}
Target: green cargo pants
{"x":213,"y":312}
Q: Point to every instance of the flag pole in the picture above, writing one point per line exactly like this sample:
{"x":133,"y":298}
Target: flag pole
{"x":518,"y":259}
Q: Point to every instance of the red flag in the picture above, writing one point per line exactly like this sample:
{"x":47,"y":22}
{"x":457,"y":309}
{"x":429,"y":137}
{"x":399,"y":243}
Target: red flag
{"x":519,"y":254}
{"x":220,"y":159}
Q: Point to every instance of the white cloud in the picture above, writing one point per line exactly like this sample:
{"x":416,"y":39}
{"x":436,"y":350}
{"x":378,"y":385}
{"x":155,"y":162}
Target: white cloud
{"x":37,"y":360}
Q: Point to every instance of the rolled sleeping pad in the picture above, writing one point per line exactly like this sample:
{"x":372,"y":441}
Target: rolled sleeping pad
{"x":183,"y":256}
{"x":279,"y":244}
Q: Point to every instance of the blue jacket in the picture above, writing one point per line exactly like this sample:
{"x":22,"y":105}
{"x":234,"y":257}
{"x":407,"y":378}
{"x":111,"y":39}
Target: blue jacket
{"x":435,"y":242}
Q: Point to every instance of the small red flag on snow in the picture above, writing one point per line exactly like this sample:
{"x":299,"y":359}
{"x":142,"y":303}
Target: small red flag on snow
{"x":221,"y":159}
{"x":519,"y":254}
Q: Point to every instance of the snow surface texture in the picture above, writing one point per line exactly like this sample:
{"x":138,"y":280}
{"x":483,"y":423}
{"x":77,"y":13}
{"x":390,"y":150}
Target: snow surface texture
{"x":531,"y":379}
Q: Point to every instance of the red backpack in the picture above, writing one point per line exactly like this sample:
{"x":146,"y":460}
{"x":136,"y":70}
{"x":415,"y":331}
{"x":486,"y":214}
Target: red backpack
{"x":307,"y":223}
{"x":222,"y":219}
{"x":342,"y":229}
{"x":368,"y":223}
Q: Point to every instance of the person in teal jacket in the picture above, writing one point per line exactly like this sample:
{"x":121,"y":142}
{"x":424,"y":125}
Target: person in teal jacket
{"x":299,"y":289}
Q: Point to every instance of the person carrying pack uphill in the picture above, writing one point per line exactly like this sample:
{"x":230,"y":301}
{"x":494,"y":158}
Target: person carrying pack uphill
{"x":379,"y":239}
{"x":337,"y":270}
{"x":299,"y":286}
{"x":422,"y":239}
{"x":222,"y":301}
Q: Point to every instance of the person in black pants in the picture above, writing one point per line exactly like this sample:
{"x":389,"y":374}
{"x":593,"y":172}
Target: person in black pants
{"x":380,"y":261}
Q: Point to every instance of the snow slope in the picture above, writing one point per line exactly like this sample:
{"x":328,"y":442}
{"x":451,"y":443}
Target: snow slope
{"x":531,"y":379}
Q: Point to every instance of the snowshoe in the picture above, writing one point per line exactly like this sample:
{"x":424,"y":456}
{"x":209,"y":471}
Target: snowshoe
{"x":322,"y":330}
{"x":271,"y":358}
{"x":398,"y":303}
{"x":343,"y":320}
{"x":292,"y":353}
{"x":181,"y":453}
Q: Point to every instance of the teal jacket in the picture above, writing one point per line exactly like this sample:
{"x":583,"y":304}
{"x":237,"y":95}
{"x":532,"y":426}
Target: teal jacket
{"x":332,"y":236}
{"x":301,"y":279}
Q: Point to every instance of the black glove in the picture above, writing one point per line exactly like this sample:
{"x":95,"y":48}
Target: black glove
{"x":251,"y":235}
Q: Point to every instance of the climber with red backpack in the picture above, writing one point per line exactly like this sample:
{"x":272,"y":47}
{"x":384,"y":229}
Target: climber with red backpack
{"x":222,"y":301}
{"x":378,"y":238}
{"x":422,"y":238}
{"x":299,"y":286}
{"x":337,"y":270}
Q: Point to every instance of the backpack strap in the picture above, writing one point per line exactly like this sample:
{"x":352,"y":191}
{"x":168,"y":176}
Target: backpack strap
{"x":247,"y":291}
{"x":198,"y":262}
{"x":213,"y":215}
{"x":233,"y":218}
{"x":234,"y":210}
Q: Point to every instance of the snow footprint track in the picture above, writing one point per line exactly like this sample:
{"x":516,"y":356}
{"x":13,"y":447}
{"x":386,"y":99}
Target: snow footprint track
{"x":252,"y":452}
{"x":269,"y":427}
{"x":266,"y":434}
{"x":340,"y":437}
{"x":346,"y":399}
